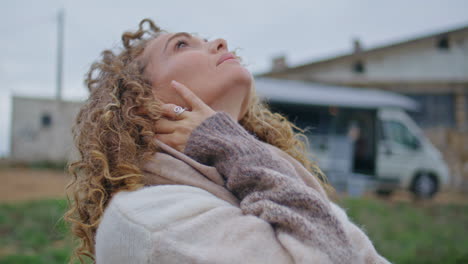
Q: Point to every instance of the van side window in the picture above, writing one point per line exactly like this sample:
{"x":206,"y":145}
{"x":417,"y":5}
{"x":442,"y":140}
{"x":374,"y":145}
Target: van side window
{"x":399,"y":133}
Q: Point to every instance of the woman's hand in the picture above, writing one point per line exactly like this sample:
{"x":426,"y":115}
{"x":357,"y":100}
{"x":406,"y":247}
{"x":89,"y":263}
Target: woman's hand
{"x":176,"y":130}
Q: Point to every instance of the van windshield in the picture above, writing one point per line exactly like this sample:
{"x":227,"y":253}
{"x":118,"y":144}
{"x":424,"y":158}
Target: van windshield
{"x":400,"y":134}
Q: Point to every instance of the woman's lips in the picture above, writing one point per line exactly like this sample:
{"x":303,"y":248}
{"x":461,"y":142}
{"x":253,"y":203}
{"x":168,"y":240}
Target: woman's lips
{"x":226,"y":56}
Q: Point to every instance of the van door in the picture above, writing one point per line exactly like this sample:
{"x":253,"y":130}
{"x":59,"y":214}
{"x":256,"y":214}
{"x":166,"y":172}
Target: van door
{"x":398,"y":149}
{"x":360,"y":126}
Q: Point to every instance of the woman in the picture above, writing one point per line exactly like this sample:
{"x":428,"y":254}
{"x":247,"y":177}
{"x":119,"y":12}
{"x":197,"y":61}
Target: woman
{"x":197,"y":170}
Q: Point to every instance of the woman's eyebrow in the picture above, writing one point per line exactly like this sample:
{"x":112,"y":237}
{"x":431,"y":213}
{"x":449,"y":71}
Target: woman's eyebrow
{"x":175,"y":36}
{"x":179,"y":34}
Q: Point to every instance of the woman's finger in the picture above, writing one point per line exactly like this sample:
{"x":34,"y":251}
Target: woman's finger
{"x":168,"y":110}
{"x":189,"y":97}
{"x":164,"y":126}
{"x":169,"y":140}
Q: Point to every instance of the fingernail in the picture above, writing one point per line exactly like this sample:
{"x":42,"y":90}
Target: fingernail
{"x":174,"y":82}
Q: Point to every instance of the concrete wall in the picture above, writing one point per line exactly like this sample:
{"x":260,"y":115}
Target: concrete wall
{"x":41,"y":129}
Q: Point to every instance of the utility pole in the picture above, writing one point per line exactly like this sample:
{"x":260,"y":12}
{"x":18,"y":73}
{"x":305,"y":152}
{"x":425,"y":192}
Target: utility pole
{"x":60,"y":36}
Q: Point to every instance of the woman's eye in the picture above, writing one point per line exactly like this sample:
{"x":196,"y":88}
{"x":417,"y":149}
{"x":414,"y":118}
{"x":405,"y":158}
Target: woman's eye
{"x":180,"y":42}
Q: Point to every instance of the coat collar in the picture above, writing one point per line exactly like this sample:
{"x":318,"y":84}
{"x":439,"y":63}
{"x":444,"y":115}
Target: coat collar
{"x":170,"y":166}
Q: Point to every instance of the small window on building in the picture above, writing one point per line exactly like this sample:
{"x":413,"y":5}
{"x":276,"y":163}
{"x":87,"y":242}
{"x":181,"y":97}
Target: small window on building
{"x":358,"y":67}
{"x":443,"y":43}
{"x":46,"y":120}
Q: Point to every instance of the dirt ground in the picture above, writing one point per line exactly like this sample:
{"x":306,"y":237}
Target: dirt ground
{"x":18,"y":184}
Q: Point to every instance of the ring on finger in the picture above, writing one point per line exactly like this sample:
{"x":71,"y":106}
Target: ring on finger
{"x":179,"y":110}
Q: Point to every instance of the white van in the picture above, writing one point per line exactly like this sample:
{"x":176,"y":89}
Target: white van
{"x":361,"y":133}
{"x":407,"y":157}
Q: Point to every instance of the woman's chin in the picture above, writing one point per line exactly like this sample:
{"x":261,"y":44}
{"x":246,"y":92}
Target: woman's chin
{"x":242,"y":76}
{"x":237,"y":71}
{"x":247,"y":73}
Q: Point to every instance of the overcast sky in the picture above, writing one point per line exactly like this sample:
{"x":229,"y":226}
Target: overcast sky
{"x":302,"y":30}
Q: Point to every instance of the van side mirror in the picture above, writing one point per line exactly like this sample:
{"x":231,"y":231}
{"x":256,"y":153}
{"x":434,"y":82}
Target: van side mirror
{"x":415,"y":144}
{"x":387,"y":148}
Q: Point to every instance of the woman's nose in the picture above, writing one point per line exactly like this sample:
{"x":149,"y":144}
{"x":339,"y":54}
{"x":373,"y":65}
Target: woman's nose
{"x":218,"y":45}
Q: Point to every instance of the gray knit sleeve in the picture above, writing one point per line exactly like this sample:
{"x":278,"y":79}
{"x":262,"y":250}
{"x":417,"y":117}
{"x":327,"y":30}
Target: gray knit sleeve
{"x":268,"y":186}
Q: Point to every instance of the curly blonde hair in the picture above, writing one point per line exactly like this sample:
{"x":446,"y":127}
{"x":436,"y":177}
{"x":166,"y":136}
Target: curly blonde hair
{"x":113,"y":133}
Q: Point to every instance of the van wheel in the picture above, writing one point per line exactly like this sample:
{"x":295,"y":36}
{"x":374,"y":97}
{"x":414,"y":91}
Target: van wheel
{"x":424,"y":185}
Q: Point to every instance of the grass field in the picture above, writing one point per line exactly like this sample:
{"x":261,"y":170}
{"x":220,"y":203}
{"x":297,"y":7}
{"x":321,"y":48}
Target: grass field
{"x":33,"y":232}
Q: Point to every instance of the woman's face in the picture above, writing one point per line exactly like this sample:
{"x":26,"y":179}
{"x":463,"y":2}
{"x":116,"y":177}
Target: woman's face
{"x":193,"y":62}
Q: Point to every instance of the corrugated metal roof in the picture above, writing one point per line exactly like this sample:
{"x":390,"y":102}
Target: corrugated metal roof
{"x":299,"y":92}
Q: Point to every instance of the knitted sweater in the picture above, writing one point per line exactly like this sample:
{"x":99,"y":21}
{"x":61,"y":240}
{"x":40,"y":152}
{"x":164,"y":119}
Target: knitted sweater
{"x":229,"y":198}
